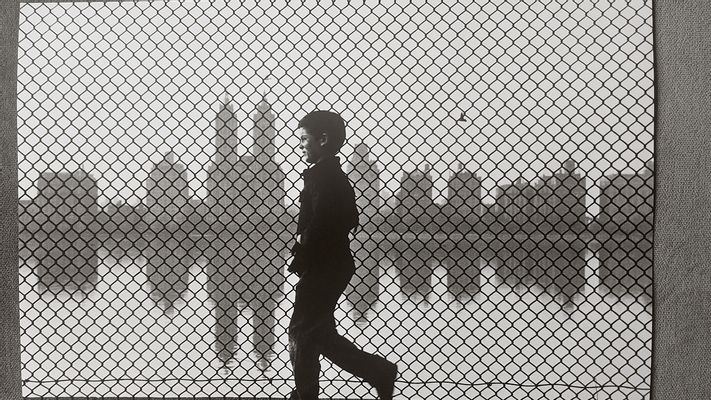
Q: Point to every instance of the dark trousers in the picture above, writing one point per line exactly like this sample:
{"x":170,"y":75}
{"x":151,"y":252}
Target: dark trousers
{"x":312,"y":332}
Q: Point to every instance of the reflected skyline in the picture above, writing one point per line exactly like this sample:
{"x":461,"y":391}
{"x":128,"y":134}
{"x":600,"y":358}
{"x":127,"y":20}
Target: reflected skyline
{"x":244,"y":283}
{"x":245,"y":310}
{"x":392,"y":309}
{"x":252,"y":280}
{"x":169,"y":257}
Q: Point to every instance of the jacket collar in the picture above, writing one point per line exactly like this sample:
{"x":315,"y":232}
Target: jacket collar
{"x":327,"y":164}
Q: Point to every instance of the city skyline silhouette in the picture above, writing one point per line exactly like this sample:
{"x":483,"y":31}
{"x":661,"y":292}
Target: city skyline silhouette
{"x":529,"y":116}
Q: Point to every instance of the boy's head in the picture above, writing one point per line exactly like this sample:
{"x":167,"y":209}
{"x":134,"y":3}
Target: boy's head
{"x":321,"y":134}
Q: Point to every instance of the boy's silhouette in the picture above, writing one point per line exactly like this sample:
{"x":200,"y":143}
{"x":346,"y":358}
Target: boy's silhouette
{"x":324,"y":264}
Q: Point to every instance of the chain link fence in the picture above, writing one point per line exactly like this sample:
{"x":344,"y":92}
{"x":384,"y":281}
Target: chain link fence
{"x":501,"y":153}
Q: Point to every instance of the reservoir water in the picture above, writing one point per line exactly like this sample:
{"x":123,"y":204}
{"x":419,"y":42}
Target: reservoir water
{"x":167,"y":319}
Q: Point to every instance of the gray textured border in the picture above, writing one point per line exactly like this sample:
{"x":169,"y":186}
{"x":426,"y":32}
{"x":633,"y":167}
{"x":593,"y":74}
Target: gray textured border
{"x":682,"y":240}
{"x":10,"y":378}
{"x":682,"y":243}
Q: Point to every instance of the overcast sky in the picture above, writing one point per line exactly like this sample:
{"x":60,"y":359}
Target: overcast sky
{"x":114,"y":86}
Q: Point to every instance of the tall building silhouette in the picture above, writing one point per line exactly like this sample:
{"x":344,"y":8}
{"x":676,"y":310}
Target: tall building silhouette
{"x":511,"y":204}
{"x":626,"y":217}
{"x":558,"y":201}
{"x":226,"y":139}
{"x":543,"y":203}
{"x":246,"y":194}
{"x":519,"y":208}
{"x":508,"y":203}
{"x":501,"y":199}
{"x":416,"y":209}
{"x":364,"y":288}
{"x":167,"y":193}
{"x":570,"y":193}
{"x":222,"y":192}
{"x":464,"y":211}
{"x":464,"y":198}
{"x":263,"y":132}
{"x":261,"y":180}
{"x":415,"y":204}
{"x":524,"y":203}
{"x":71,"y":195}
{"x":365,"y":174}
{"x":246,"y":191}
{"x":626,"y":201}
{"x":555,"y":202}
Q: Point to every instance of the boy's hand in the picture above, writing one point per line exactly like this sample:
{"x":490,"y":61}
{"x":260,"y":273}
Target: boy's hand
{"x":296,"y":265}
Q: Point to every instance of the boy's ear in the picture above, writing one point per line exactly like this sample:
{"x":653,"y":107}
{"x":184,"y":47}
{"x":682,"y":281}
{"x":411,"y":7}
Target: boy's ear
{"x":324,"y":139}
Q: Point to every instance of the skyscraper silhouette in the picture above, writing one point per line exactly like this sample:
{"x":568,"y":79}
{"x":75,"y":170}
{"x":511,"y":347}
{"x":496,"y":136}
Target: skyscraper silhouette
{"x":570,"y":192}
{"x":416,"y":210}
{"x":415,"y":203}
{"x":246,"y":193}
{"x":167,"y":193}
{"x":365,"y":175}
{"x":626,"y":218}
{"x":364,"y":287}
{"x":223,"y":200}
{"x":463,"y":211}
{"x":463,"y":208}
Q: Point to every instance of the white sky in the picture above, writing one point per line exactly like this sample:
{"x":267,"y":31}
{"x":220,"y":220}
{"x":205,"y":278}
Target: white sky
{"x":114,"y":86}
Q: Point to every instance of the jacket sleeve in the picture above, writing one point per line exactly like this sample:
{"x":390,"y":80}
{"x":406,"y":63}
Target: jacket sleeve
{"x":334,"y":214}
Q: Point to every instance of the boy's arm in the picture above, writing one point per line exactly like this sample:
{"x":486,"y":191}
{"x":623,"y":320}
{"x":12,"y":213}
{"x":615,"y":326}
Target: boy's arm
{"x":323,"y":203}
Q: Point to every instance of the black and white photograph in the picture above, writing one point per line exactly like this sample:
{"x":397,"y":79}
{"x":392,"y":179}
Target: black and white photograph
{"x":350,"y":200}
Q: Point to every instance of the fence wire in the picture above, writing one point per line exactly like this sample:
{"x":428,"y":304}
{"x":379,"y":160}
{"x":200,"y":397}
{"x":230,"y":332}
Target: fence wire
{"x":501,"y":153}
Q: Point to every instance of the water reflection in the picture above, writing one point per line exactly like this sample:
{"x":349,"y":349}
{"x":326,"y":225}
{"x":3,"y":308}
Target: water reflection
{"x":555,"y":264}
{"x":415,"y":262}
{"x":463,"y":264}
{"x":562,"y":270}
{"x":245,"y":276}
{"x":364,"y":289}
{"x":626,"y":265}
{"x":168,"y":261}
{"x":66,"y":260}
{"x":247,"y":268}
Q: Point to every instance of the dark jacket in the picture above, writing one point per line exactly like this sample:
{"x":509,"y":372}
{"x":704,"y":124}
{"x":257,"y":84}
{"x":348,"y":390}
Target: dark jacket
{"x":326,"y":215}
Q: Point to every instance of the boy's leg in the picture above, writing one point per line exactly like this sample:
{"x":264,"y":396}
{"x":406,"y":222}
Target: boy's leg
{"x":373,"y":369}
{"x":302,"y":354}
{"x":312,"y":331}
{"x":304,"y":361}
{"x":314,"y":305}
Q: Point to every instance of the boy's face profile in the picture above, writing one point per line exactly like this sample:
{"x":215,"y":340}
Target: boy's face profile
{"x":312,"y":146}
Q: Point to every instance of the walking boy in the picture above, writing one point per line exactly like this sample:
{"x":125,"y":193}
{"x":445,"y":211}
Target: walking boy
{"x":324,"y":264}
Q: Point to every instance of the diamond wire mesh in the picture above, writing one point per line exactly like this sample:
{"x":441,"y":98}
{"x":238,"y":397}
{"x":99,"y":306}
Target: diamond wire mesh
{"x":501,"y":152}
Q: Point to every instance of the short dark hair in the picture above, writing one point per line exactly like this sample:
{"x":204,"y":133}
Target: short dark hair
{"x":328,"y":122}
